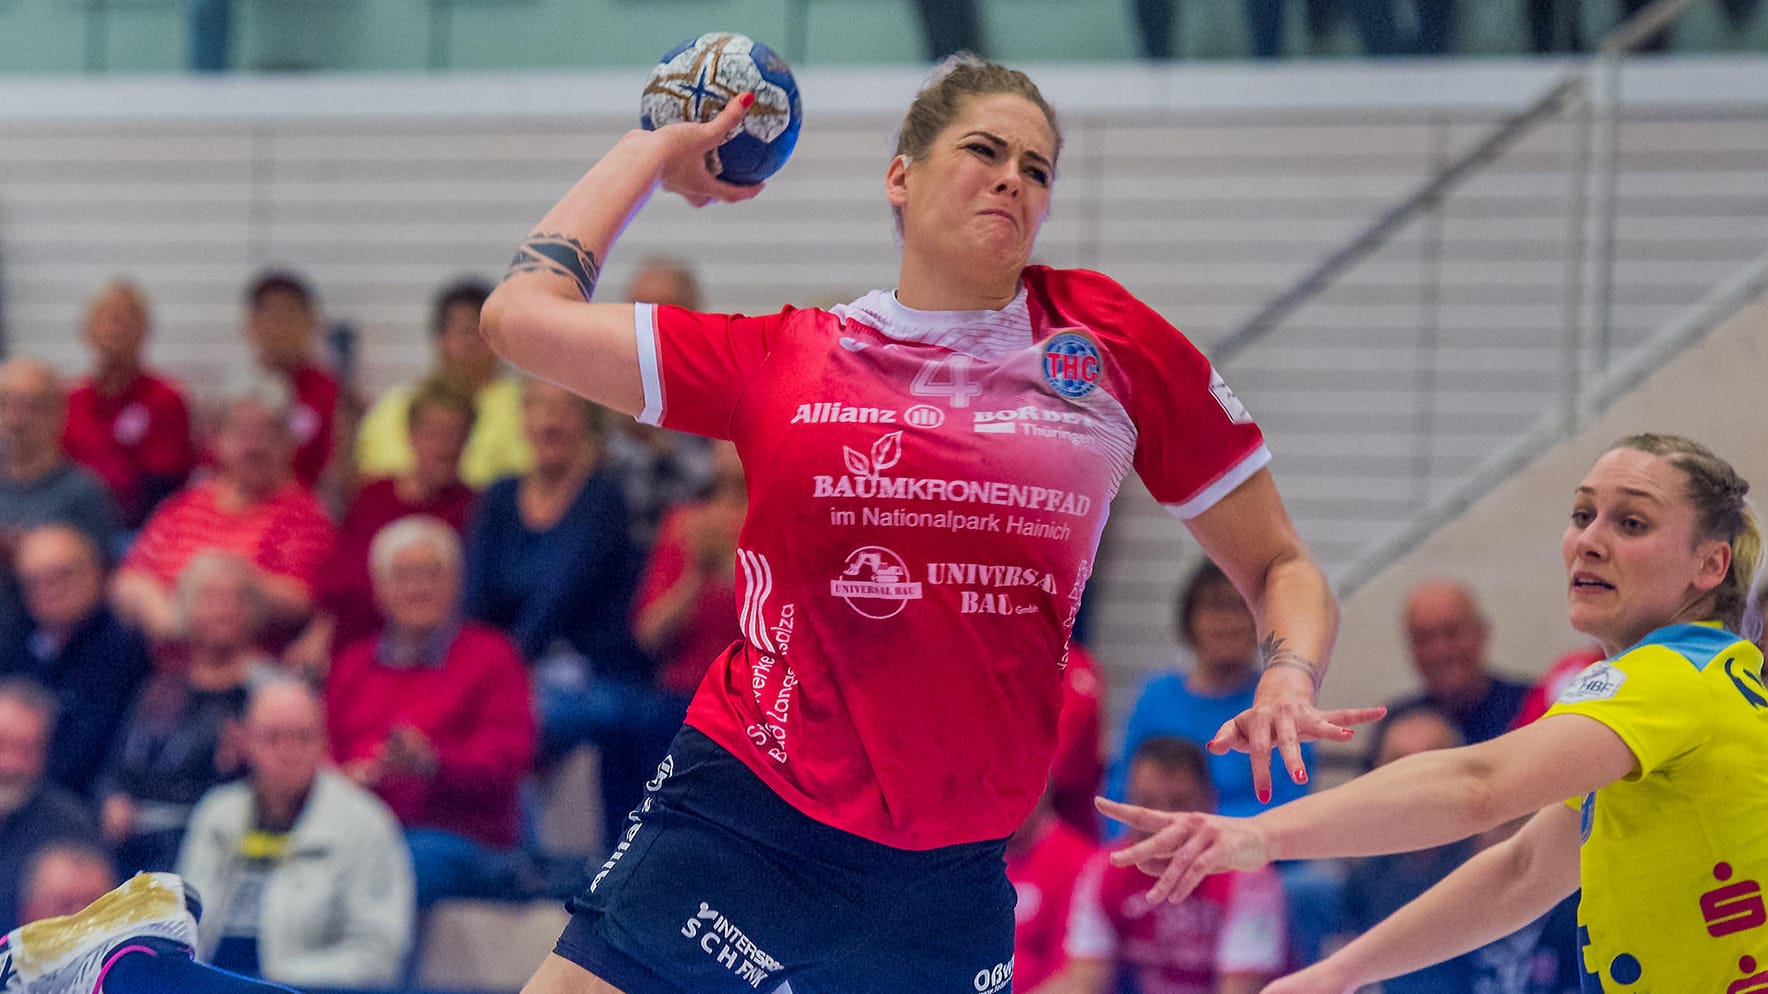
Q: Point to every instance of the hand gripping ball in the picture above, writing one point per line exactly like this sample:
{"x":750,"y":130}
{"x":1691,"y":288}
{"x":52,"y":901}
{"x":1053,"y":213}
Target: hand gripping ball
{"x":697,"y":77}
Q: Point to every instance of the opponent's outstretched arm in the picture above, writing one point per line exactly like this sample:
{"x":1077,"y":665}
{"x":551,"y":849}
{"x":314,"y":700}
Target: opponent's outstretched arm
{"x":540,"y":319}
{"x":1424,"y":800}
{"x":1490,"y":896}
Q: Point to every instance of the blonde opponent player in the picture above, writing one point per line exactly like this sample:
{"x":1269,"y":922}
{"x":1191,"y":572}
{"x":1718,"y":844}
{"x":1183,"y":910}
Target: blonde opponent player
{"x":1648,"y":775}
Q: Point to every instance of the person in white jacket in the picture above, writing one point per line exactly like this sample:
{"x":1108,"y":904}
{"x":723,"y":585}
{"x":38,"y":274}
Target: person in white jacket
{"x":304,"y":876}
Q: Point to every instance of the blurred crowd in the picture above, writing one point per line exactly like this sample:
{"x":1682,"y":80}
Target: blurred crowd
{"x":317,"y":654}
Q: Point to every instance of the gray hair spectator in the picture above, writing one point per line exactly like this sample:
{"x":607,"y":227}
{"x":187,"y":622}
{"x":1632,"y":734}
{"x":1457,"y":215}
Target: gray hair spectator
{"x":306,"y":874}
{"x":251,"y":507}
{"x":39,"y":484}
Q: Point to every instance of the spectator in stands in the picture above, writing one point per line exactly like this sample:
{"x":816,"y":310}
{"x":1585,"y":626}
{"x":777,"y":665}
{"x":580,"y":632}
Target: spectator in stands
{"x":687,"y":602}
{"x":127,"y":424}
{"x":1379,"y":25}
{"x":282,"y":323}
{"x":1044,"y":858}
{"x":1447,"y":636}
{"x":950,"y":26}
{"x":39,"y":484}
{"x":305,"y":875}
{"x":183,"y":735}
{"x":1557,"y":25}
{"x":63,"y":877}
{"x":33,"y":811}
{"x":1546,"y":690}
{"x":497,"y":447}
{"x":76,"y":648}
{"x":1213,"y":621}
{"x":661,"y":468}
{"x":548,"y":558}
{"x":440,"y":421}
{"x":1226,"y":937}
{"x":1539,"y":959}
{"x":1264,"y":21}
{"x":435,"y":716}
{"x":250,"y":507}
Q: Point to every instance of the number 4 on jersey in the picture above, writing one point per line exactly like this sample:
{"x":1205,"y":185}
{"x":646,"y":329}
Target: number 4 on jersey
{"x":947,"y":377}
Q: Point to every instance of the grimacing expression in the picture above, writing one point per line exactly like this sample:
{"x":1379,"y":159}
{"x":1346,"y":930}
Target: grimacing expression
{"x":1633,"y":558}
{"x":981,"y":190}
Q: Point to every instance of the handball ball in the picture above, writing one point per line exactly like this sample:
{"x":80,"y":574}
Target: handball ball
{"x":697,"y":77}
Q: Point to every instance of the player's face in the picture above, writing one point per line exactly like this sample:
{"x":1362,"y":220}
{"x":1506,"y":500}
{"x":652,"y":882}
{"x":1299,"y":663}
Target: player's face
{"x":1633,"y":561}
{"x":981,"y":191}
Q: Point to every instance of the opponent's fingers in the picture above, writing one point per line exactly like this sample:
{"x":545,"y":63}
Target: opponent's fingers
{"x":1183,"y":873}
{"x":1133,"y":816}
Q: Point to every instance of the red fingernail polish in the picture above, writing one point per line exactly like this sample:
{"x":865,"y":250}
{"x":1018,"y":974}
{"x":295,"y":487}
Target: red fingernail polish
{"x":1264,"y":796}
{"x":1300,"y":775}
{"x":747,"y":99}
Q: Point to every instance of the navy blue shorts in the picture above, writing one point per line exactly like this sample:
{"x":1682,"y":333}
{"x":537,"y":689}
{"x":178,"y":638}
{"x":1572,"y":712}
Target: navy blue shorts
{"x":720,"y":886}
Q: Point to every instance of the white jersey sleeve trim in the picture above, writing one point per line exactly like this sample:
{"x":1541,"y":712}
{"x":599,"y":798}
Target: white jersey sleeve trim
{"x":644,"y":328}
{"x":1206,"y":498}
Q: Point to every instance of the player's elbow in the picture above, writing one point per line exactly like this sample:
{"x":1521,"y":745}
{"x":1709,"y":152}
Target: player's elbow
{"x":494,"y":320}
{"x":1486,"y":802}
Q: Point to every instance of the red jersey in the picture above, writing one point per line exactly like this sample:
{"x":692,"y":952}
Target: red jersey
{"x":1232,"y":923}
{"x":927,"y":491}
{"x":137,"y":441}
{"x":1044,"y":878}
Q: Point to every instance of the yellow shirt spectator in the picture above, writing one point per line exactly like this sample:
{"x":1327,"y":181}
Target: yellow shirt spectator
{"x":496,"y":448}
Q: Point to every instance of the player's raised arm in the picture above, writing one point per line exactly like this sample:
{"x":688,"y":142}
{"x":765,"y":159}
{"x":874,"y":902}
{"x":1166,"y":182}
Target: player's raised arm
{"x":541,"y":319}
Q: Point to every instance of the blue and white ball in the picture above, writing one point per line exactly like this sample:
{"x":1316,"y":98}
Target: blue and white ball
{"x":695,"y":80}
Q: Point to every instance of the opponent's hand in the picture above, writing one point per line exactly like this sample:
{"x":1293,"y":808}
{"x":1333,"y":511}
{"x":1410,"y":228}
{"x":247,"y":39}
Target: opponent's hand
{"x":688,"y":148}
{"x":1180,"y":848}
{"x":1282,"y":717}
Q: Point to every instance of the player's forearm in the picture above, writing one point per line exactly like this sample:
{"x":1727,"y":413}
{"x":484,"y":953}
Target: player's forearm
{"x":1490,"y":896}
{"x":1424,"y":800}
{"x":603,"y":202}
{"x":1298,"y":618}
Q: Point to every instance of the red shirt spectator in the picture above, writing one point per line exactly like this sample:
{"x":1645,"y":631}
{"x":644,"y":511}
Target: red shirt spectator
{"x":1044,"y":859}
{"x":1545,"y":691}
{"x":345,"y":589}
{"x":249,"y":507}
{"x":128,"y":426}
{"x":137,"y":440}
{"x":286,"y":534}
{"x":468,"y":695}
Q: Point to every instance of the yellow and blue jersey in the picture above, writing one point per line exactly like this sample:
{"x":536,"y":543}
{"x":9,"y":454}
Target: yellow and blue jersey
{"x":1674,"y":855}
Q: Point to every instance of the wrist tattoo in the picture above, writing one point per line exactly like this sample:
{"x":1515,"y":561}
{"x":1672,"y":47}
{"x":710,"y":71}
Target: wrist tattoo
{"x":559,"y":255}
{"x":1273,"y":653}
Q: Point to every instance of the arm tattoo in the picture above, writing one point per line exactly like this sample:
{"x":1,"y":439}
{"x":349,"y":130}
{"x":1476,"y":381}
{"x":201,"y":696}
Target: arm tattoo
{"x":560,"y":255}
{"x":1273,"y":653}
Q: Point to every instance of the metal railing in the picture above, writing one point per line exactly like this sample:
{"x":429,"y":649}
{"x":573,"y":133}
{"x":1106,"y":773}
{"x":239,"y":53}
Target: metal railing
{"x":1593,"y":365}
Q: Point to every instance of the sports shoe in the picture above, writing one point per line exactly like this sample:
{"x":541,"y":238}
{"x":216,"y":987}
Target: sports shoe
{"x":153,"y":912}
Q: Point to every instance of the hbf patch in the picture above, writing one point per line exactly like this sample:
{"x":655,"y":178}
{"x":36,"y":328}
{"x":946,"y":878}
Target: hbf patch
{"x":1072,"y":365}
